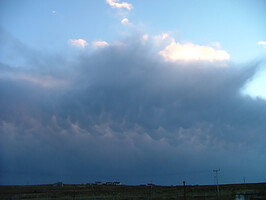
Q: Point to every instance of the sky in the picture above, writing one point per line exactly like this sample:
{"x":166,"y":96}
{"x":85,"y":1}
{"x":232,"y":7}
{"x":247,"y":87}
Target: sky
{"x":132,"y":91}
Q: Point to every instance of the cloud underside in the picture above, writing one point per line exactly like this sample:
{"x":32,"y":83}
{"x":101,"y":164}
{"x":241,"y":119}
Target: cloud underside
{"x":125,"y":114}
{"x":176,"y":51}
{"x":116,"y":4}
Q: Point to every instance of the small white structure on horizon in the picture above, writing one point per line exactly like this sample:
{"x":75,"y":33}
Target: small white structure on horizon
{"x":113,"y":183}
{"x":247,"y":195}
{"x":98,"y":183}
{"x":58,"y":184}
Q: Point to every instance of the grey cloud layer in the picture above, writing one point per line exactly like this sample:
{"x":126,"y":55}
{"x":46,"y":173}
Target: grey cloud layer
{"x":125,"y":114}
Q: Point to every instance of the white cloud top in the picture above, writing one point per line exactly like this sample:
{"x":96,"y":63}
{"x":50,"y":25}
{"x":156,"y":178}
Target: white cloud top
{"x":115,"y":4}
{"x":263,"y":43}
{"x":100,"y":44}
{"x":80,"y":43}
{"x":192,"y":52}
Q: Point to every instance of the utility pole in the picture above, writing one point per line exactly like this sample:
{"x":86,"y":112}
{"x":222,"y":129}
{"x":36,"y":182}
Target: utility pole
{"x":184,"y":182}
{"x":217,"y":184}
{"x":151,"y":192}
{"x":244,"y":179}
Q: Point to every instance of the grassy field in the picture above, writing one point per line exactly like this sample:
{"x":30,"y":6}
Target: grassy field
{"x":97,"y":192}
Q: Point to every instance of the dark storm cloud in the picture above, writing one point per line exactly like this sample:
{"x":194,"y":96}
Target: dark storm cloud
{"x":123,"y":113}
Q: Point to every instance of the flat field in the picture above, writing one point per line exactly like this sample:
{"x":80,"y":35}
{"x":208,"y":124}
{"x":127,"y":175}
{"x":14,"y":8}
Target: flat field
{"x":97,"y":192}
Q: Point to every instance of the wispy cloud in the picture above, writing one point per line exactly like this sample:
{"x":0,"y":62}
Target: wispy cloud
{"x":216,"y":45}
{"x":125,"y":21}
{"x":115,"y":4}
{"x":145,"y":37}
{"x":100,"y":44}
{"x":162,"y":40}
{"x":192,"y":52}
{"x":44,"y":81}
{"x":161,"y":37}
{"x":80,"y":43}
{"x":263,"y":43}
{"x":41,"y":80}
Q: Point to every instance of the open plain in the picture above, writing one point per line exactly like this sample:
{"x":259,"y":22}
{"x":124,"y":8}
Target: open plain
{"x":97,"y":192}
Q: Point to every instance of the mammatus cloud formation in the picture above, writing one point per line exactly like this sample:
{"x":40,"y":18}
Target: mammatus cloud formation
{"x":80,"y":43}
{"x":100,"y":44}
{"x":116,"y":4}
{"x":176,"y":51}
{"x":263,"y":43}
{"x":126,"y":114}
